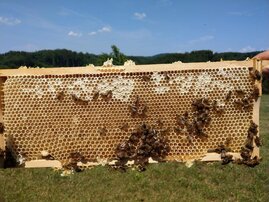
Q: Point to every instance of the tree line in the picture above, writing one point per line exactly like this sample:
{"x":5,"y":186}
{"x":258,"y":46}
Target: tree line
{"x":68,"y":58}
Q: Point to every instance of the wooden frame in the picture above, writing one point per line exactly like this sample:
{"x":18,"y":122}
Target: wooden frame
{"x":128,"y":69}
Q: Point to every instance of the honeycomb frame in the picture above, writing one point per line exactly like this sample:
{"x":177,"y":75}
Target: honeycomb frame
{"x":59,"y":111}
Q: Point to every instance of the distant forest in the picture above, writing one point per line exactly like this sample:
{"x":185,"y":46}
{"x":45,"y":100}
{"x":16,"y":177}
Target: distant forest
{"x":68,"y":58}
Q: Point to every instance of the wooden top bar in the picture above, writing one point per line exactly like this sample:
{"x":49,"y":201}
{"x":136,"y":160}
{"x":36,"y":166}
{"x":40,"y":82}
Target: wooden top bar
{"x":124,"y":69}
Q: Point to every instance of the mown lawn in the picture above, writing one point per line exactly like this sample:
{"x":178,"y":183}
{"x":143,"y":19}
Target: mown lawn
{"x":161,"y":182}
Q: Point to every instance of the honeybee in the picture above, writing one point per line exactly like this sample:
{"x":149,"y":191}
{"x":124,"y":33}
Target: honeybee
{"x":76,"y":156}
{"x":228,"y":96}
{"x":159,"y":123}
{"x":252,"y":162}
{"x":134,"y":138}
{"x":46,"y":155}
{"x":214,"y":105}
{"x":95,"y":95}
{"x":181,"y":121}
{"x":166,"y":76}
{"x":250,"y":135}
{"x":258,"y":141}
{"x":238,"y":104}
{"x":137,"y":109}
{"x":164,"y":131}
{"x":226,"y":158}
{"x":177,"y":130}
{"x":243,"y":104}
{"x":205,"y":103}
{"x":201,"y":104}
{"x":137,"y":101}
{"x":190,"y":128}
{"x":253,"y":128}
{"x":222,"y":148}
{"x":141,"y":168}
{"x":79,"y":100}
{"x":255,"y":75}
{"x":134,"y":110}
{"x":102,"y":131}
{"x":189,"y":139}
{"x":249,"y":144}
{"x":146,"y":78}
{"x":255,"y":94}
{"x":60,"y":96}
{"x":202,"y":135}
{"x":219,"y":111}
{"x":245,"y":153}
{"x":206,"y":118}
{"x":240,"y":93}
{"x":228,"y":141}
{"x":107,"y":96}
{"x":144,"y":110}
{"x":125,"y":127}
{"x":72,"y":165}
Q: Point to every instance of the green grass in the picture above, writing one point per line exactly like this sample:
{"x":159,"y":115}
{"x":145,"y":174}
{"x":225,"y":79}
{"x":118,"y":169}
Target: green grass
{"x":161,"y":182}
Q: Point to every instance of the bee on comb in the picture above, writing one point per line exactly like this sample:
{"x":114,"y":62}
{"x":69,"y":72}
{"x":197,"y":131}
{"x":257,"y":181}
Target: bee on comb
{"x":146,"y":78}
{"x":255,"y":74}
{"x":107,"y":96}
{"x":60,"y":96}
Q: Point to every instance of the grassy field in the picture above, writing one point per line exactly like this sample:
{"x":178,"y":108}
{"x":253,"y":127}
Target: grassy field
{"x":161,"y":182}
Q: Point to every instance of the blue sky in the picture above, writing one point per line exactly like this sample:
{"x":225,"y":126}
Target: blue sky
{"x":137,"y":27}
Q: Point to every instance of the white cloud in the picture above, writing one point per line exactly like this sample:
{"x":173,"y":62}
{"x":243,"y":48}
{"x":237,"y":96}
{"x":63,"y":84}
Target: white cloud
{"x":140,"y":16}
{"x":103,"y":29}
{"x":202,"y":39}
{"x":92,"y":33}
{"x":9,"y":21}
{"x":247,"y":49}
{"x":74,"y":34}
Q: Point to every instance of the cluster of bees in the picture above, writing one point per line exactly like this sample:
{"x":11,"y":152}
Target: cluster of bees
{"x":144,"y":142}
{"x":222,"y":149}
{"x":246,"y":151}
{"x":201,"y":119}
{"x":245,"y":103}
{"x":245,"y":100}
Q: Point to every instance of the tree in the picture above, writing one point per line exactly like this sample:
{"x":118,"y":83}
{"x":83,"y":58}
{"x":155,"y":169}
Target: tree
{"x":118,"y":57}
